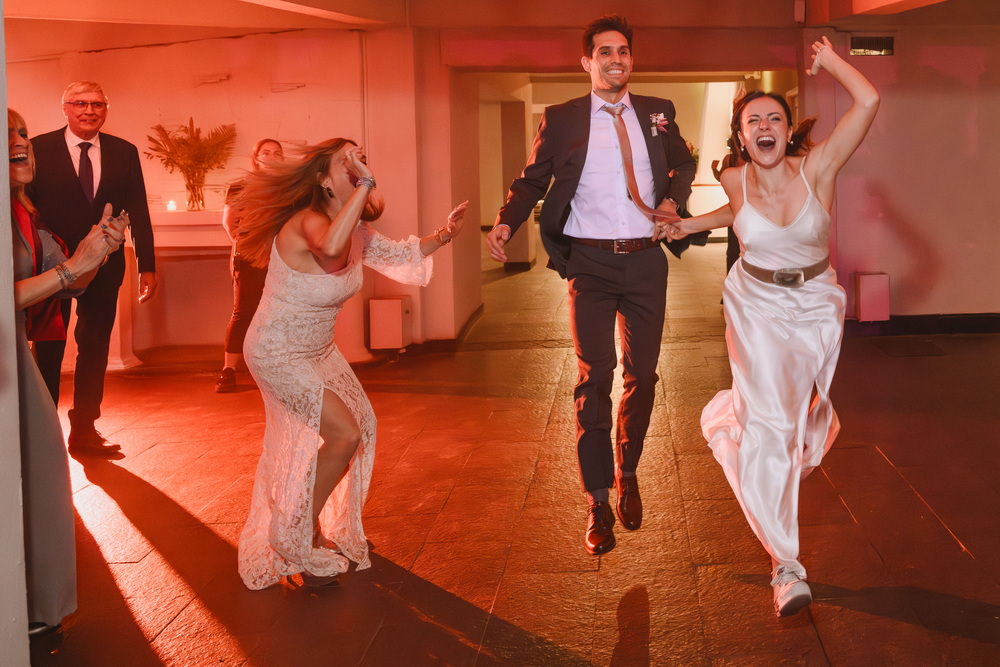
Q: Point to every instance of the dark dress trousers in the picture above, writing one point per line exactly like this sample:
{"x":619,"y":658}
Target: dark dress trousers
{"x":605,"y":287}
{"x":63,"y":208}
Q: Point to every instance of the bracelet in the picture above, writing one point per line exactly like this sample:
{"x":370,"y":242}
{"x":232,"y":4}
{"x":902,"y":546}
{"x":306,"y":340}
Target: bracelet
{"x":441,"y":241}
{"x":66,"y":277}
{"x":366,"y":180}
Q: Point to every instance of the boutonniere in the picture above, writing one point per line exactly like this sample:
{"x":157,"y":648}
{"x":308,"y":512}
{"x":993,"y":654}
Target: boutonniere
{"x":657,"y":122}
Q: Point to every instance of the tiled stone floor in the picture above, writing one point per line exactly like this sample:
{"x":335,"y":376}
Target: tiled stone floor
{"x":476,"y":517}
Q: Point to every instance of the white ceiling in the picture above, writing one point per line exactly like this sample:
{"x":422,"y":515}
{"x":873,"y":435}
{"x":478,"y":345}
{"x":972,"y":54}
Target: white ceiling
{"x":45,"y":28}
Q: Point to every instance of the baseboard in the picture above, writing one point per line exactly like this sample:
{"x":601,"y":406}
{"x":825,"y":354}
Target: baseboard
{"x":908,"y":325}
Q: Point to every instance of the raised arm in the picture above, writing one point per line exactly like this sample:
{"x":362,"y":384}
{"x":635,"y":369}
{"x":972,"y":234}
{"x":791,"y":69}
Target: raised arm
{"x":829,"y":155}
{"x":330,"y":239}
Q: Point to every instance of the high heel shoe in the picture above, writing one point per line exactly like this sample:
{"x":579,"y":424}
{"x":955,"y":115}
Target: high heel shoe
{"x":313,"y":581}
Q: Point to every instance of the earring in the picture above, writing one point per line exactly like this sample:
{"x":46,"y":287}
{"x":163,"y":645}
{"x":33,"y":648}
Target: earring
{"x":328,"y":190}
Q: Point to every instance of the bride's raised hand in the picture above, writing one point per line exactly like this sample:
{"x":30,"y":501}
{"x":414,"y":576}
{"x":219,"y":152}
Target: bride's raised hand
{"x":822,"y":48}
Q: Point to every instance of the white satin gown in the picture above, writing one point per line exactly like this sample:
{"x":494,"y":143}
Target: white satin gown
{"x":291,"y":353}
{"x":768,"y":432}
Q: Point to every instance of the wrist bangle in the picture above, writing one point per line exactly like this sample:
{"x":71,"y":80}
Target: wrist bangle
{"x":66,"y":277}
{"x":441,"y":241}
{"x":366,"y":180}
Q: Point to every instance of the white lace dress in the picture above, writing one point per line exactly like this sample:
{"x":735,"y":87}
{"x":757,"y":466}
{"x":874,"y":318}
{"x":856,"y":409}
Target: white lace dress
{"x":291,"y":353}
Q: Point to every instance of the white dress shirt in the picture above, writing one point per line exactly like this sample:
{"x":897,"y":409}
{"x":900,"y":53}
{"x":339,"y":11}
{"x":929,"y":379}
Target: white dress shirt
{"x":73,"y":144}
{"x":601,"y":208}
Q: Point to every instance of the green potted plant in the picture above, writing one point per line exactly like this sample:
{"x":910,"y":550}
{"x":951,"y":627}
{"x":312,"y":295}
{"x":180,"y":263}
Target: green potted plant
{"x":186,"y":150}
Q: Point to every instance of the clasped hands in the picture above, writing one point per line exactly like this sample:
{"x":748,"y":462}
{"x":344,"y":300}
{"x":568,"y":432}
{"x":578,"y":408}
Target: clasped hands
{"x":103,"y":239}
{"x":668,"y":224}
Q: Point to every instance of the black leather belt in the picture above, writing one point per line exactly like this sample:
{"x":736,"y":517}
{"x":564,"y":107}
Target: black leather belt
{"x":619,"y":246}
{"x":786,"y":277}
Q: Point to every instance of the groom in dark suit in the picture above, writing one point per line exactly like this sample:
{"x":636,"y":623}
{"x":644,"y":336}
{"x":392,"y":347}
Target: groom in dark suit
{"x":608,"y":249}
{"x":79,"y":170}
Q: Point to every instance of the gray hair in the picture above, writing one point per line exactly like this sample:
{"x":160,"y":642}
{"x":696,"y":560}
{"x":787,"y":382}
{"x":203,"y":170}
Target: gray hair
{"x":83,"y":87}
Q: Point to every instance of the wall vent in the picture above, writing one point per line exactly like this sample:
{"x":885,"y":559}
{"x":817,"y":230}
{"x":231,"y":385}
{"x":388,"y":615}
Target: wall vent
{"x":871,"y":46}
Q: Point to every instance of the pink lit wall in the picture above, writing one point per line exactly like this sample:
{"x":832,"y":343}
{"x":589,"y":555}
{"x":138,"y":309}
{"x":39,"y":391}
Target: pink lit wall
{"x":298,"y":87}
{"x":919,"y":199}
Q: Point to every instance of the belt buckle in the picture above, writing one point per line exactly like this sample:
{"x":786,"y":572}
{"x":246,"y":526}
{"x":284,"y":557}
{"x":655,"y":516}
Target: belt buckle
{"x":789,"y":277}
{"x":622,"y":246}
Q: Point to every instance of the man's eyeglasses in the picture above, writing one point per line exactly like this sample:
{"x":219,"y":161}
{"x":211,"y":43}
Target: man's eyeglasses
{"x":80,"y":105}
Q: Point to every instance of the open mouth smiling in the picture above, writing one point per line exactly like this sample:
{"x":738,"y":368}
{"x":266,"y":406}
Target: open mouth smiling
{"x":766,"y":142}
{"x":18,"y":157}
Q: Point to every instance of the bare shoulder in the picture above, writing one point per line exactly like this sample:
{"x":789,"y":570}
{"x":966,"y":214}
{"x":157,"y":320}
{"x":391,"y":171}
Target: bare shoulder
{"x":308,"y":222}
{"x":730,"y":180}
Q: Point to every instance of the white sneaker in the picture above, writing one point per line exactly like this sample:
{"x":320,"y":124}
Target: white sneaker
{"x":791,"y":592}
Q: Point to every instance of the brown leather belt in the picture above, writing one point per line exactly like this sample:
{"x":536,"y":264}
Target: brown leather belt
{"x":619,"y":246}
{"x":786,"y":277}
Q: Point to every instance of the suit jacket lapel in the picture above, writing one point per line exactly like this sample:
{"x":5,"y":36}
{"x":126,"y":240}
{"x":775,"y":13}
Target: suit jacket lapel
{"x":579,"y":125}
{"x":106,"y":163}
{"x":66,"y":172}
{"x":64,"y":162}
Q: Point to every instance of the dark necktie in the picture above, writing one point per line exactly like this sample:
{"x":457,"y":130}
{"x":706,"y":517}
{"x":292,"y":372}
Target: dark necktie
{"x":626,"y":150}
{"x":86,"y":172}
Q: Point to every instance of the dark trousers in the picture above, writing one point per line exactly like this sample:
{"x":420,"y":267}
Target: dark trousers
{"x":248,"y":285}
{"x":95,"y":318}
{"x":605,"y":288}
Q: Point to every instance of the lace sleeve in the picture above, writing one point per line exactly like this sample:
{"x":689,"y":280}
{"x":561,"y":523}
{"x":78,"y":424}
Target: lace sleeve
{"x":400,"y":260}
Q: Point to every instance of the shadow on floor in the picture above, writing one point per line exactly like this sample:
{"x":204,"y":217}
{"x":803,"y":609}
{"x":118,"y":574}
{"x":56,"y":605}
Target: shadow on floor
{"x":385,"y":615}
{"x":945,"y":613}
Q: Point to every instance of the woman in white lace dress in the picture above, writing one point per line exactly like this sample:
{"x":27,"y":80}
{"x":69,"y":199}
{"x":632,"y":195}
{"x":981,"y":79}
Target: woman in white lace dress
{"x":310,"y":220}
{"x":784,"y":313}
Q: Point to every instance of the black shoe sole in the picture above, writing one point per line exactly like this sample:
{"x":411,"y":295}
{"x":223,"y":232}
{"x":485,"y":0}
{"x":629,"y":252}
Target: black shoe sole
{"x":625,"y":523}
{"x":602,"y":549}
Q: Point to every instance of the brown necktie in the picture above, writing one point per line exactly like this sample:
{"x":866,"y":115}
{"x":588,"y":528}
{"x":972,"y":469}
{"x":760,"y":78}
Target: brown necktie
{"x":626,"y":149}
{"x":86,"y":172}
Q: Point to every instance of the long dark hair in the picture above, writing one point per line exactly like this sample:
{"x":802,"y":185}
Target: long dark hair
{"x":799,"y":144}
{"x":271,"y":197}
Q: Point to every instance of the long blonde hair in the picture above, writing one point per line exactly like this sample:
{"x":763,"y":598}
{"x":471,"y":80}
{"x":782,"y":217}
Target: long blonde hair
{"x":271,"y":197}
{"x":15,"y":121}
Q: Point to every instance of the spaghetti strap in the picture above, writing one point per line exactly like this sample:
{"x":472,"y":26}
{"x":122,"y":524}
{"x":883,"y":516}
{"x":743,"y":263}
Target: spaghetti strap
{"x":743,"y":178}
{"x":802,"y":173}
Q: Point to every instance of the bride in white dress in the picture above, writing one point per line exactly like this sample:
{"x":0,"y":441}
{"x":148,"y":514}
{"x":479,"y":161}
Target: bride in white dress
{"x":311,"y":220}
{"x":784,"y":312}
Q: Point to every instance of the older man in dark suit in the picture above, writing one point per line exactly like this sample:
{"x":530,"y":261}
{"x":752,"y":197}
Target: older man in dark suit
{"x":599,"y":239}
{"x":79,"y":170}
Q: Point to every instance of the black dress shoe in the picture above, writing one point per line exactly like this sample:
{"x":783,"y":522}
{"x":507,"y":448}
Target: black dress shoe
{"x":111,"y":452}
{"x":600,"y":538}
{"x":226,"y":382}
{"x":88,"y":442}
{"x":629,"y":504}
{"x":39,"y":629}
